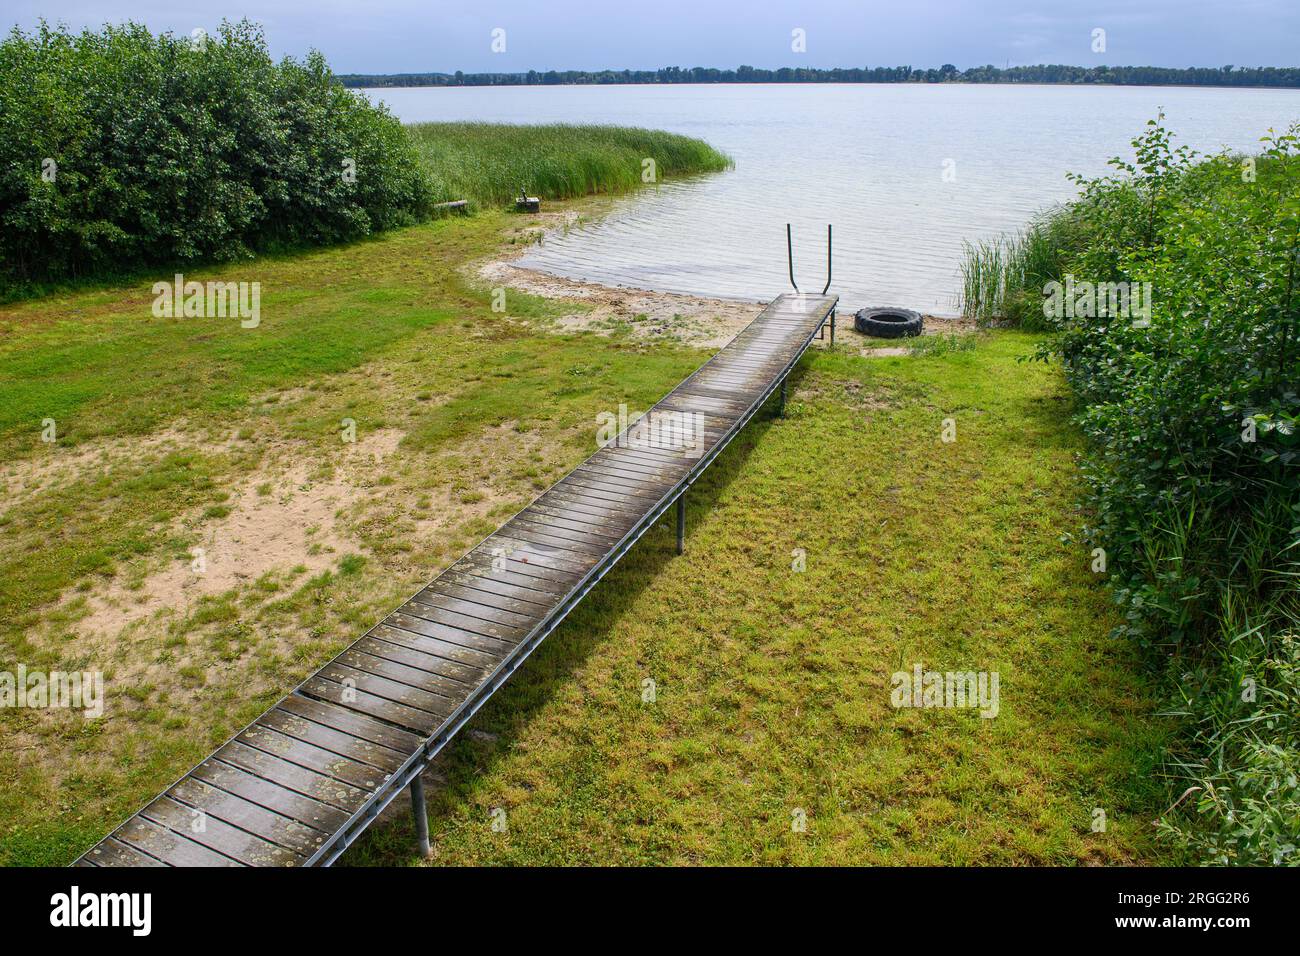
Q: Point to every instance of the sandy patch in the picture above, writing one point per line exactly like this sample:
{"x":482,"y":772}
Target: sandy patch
{"x":280,"y":518}
{"x":706,"y":323}
{"x":694,"y":320}
{"x":53,"y":465}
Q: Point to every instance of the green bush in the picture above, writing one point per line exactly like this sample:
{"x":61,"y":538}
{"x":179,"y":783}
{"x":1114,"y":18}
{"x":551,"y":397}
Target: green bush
{"x":170,"y":150}
{"x":1193,"y":462}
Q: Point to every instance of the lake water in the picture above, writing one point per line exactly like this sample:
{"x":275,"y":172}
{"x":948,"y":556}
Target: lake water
{"x":871,"y":159}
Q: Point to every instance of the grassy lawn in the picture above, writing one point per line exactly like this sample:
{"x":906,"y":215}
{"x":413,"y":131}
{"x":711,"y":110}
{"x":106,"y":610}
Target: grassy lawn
{"x":772,"y":685}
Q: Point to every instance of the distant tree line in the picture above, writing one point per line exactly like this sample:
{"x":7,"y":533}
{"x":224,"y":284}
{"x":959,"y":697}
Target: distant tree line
{"x":1054,"y":73}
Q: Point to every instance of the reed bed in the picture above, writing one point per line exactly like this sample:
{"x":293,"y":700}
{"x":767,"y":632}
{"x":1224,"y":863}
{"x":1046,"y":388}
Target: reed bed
{"x":490,"y":163}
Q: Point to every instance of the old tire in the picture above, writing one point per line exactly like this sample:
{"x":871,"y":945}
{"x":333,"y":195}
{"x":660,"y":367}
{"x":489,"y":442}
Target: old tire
{"x":888,"y":323}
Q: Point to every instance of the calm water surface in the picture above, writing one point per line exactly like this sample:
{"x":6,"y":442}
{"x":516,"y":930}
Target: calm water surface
{"x":870,"y":159}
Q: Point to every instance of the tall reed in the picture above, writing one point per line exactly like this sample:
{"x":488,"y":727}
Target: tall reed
{"x":489,"y":163}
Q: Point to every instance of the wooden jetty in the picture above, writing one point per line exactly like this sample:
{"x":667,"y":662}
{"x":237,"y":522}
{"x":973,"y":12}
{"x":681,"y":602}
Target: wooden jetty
{"x":304,"y":780}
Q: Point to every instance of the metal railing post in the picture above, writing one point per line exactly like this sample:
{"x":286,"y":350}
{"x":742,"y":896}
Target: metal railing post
{"x":828,"y":259}
{"x":681,"y":523}
{"x":421,"y":815}
{"x":789,"y":251}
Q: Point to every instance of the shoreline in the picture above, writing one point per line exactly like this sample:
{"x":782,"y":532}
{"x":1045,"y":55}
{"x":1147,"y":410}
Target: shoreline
{"x":698,"y":320}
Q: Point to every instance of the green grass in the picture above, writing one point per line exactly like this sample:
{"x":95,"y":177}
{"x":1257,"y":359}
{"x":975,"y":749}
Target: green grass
{"x":490,"y":163}
{"x":772,"y":685}
{"x":358,"y":332}
{"x":1198,"y":519}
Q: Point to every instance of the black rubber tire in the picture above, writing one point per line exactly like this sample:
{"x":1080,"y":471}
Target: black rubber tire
{"x":888,"y":323}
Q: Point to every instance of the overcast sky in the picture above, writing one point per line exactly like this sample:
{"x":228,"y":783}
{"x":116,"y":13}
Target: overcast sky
{"x":406,"y":36}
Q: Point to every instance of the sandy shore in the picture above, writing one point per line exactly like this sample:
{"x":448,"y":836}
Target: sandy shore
{"x":694,"y":320}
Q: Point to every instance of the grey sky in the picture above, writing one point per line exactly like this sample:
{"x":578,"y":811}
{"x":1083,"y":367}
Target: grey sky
{"x":403,"y":36}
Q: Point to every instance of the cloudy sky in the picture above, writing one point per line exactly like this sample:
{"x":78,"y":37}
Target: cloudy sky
{"x":404,"y":36}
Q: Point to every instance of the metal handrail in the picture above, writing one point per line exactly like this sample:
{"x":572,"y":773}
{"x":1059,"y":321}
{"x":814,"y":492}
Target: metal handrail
{"x":828,"y":259}
{"x":789,"y":252}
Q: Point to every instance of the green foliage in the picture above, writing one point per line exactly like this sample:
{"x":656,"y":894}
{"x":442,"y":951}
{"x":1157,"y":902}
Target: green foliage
{"x":489,"y":163}
{"x":1003,"y":277}
{"x":1193,"y":459}
{"x":169,"y":150}
{"x":934,"y":345}
{"x":1242,"y":759}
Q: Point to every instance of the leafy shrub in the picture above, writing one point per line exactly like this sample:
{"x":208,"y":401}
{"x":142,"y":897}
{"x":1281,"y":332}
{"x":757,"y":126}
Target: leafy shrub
{"x":1193,"y":460}
{"x":171,"y":150}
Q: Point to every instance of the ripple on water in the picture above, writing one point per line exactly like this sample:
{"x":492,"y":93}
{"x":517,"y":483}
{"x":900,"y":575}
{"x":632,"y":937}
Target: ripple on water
{"x":905,"y":173}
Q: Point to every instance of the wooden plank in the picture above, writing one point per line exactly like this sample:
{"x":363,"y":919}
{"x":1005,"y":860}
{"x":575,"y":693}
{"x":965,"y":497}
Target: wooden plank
{"x":649,"y":462}
{"x":606,"y":474}
{"x":576,"y":520}
{"x":601,"y":506}
{"x":293,"y":776}
{"x":270,"y":826}
{"x":350,"y":722}
{"x":433,"y":663}
{"x":371,"y":705}
{"x":608,"y":490}
{"x":483,"y":606}
{"x":525,"y":531}
{"x":436,"y":615}
{"x":639,"y":469}
{"x":453,"y":690}
{"x":453,"y":635}
{"x":470,"y":572}
{"x":169,"y":847}
{"x":265,"y":793}
{"x":437,"y":647}
{"x":641,"y":483}
{"x":575,"y":501}
{"x":433,"y":704}
{"x":515,"y":557}
{"x":542,"y":558}
{"x":749,"y":397}
{"x":217,"y":835}
{"x":572,"y":528}
{"x":642,"y":459}
{"x":710,"y":406}
{"x":604,"y":495}
{"x":462,"y":674}
{"x":505,"y":600}
{"x":363,"y":751}
{"x":115,"y":853}
{"x":322,"y":761}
